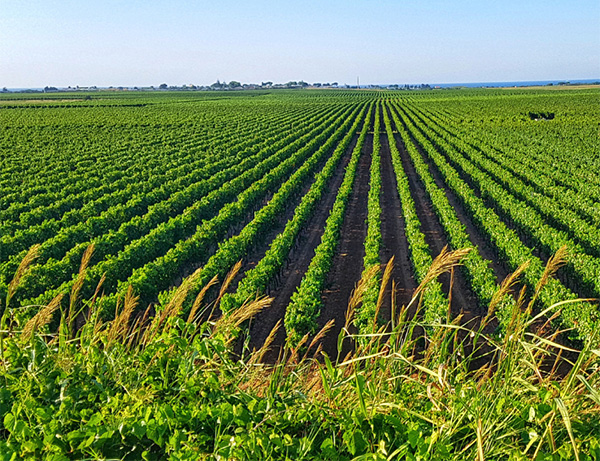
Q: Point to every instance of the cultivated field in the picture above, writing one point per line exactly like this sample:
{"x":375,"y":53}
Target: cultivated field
{"x":172,"y":262}
{"x":308,"y":190}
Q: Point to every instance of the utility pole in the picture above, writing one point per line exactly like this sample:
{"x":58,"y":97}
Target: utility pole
{"x":357,"y":83}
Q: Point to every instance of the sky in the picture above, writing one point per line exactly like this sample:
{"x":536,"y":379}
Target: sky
{"x":147,"y":42}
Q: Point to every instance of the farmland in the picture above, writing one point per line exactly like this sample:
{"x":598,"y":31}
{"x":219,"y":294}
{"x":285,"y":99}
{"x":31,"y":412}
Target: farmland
{"x":308,"y":194}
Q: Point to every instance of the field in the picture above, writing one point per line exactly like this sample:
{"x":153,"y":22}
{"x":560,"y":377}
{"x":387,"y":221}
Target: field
{"x":307,"y":195}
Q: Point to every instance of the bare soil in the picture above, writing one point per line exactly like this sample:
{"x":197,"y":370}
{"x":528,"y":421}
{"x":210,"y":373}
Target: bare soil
{"x":462,"y":298}
{"x":394,"y":236}
{"x":296,"y":266}
{"x":347,"y":263}
{"x":553,"y":87}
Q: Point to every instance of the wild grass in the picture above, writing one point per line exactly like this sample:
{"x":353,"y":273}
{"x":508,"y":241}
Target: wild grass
{"x":160,"y":386}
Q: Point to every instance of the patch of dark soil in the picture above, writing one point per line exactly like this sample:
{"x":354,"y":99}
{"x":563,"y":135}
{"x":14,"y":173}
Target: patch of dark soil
{"x":297,"y":264}
{"x":347,"y":263}
{"x":394,"y":236}
{"x":566,"y":276}
{"x":462,"y":298}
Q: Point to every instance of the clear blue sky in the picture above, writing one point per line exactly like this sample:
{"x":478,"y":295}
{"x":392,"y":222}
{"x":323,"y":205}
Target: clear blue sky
{"x":147,"y":42}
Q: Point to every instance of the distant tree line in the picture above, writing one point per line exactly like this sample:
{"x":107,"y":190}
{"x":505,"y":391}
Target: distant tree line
{"x":227,"y":86}
{"x":235,"y":85}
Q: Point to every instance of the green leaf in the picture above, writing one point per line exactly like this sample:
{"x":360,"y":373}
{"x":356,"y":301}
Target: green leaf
{"x":9,"y":422}
{"x":413,"y":438}
{"x":355,"y":441}
{"x":139,"y":429}
{"x":241,"y":414}
{"x":567,"y":422}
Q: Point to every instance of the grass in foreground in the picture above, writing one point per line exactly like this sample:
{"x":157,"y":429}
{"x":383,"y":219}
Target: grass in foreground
{"x":172,"y":388}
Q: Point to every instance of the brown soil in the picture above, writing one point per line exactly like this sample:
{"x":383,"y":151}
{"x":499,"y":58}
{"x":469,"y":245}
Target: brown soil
{"x":463,"y":300}
{"x":487,"y":250}
{"x":297,"y":264}
{"x":347,"y":263}
{"x":394,"y":236}
{"x":553,"y":87}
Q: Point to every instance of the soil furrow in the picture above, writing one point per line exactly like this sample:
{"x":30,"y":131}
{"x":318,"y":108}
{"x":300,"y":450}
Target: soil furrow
{"x":393,"y":235}
{"x":462,"y":298}
{"x":500,"y":269}
{"x":347,"y":263}
{"x":297,"y":264}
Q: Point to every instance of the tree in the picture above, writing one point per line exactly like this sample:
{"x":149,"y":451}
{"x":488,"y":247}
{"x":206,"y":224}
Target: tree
{"x":162,"y":86}
{"x":234,"y":84}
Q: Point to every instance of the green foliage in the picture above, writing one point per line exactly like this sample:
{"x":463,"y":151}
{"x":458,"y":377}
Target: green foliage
{"x":257,"y":279}
{"x":434,"y":300}
{"x":582,"y":317}
{"x":305,"y":304}
{"x":236,"y":247}
{"x":174,"y":390}
{"x":364,"y":318}
{"x":164,"y":183}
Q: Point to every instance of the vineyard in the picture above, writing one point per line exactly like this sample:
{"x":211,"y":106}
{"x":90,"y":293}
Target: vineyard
{"x":307,"y":191}
{"x":304,"y":194}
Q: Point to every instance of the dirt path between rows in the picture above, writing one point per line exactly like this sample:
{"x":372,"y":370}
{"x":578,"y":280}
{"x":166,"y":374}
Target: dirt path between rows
{"x":394,"y":236}
{"x":463,"y":299}
{"x":297,"y":264}
{"x":347,"y":263}
{"x":501,"y":269}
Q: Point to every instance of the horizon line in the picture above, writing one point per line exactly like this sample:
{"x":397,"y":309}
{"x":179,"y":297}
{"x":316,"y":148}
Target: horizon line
{"x":338,"y":84}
